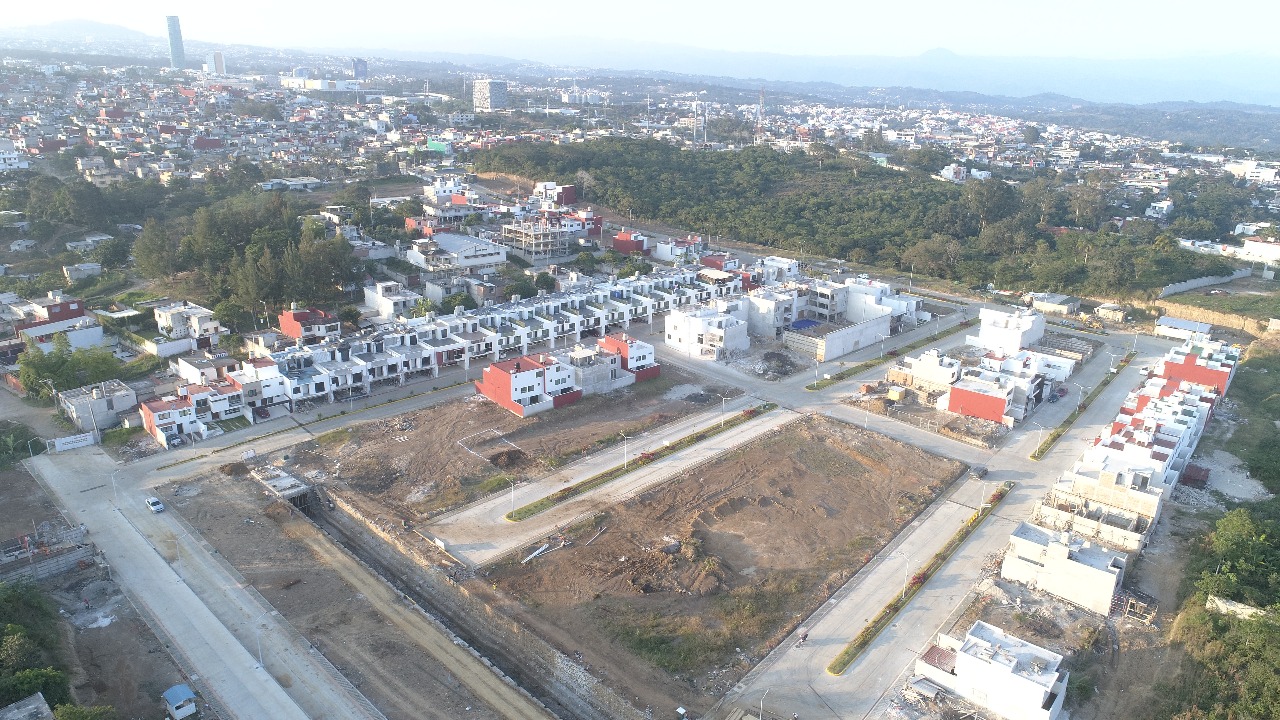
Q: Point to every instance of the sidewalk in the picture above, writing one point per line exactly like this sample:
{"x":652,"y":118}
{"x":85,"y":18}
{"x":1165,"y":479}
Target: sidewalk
{"x":480,"y":533}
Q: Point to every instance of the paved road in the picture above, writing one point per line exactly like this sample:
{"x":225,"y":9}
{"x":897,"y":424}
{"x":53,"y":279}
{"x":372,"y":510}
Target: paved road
{"x":480,"y":534}
{"x":225,"y":667}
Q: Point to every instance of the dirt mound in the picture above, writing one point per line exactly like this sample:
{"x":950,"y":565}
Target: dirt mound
{"x":776,"y":363}
{"x":511,"y":459}
{"x":235,"y":469}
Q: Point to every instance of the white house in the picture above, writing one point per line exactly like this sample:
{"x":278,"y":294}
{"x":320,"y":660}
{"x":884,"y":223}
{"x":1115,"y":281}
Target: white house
{"x":995,"y":670}
{"x":708,"y":331}
{"x":1007,"y":332}
{"x":389,"y":300}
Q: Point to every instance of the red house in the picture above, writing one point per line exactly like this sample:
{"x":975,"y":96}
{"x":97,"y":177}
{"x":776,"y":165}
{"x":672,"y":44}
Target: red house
{"x":310,"y":326}
{"x":628,"y":242}
{"x":983,"y":399}
{"x":638,"y":357}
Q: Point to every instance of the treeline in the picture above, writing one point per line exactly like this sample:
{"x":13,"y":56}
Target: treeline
{"x":1232,"y":664}
{"x":246,"y":251}
{"x":843,"y":206}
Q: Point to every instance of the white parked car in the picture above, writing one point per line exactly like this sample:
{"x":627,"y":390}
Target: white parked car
{"x":154,"y":504}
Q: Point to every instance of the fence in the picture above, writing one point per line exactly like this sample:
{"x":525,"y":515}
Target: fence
{"x":37,"y":567}
{"x":559,"y":676}
{"x":1192,"y":284}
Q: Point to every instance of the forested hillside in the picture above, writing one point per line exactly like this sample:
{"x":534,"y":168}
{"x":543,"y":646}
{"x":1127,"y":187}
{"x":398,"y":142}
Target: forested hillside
{"x":846,"y":207}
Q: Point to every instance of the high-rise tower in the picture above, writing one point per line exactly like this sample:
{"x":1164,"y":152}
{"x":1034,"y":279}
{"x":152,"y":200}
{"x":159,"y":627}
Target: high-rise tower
{"x":177,"y":56}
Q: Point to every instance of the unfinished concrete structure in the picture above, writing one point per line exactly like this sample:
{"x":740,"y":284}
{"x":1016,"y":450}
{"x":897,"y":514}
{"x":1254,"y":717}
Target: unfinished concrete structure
{"x":1066,"y":567}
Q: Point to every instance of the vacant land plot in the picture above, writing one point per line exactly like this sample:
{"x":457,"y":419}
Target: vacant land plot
{"x":113,"y":658}
{"x":327,"y":597}
{"x":419,"y":463}
{"x":24,"y":502}
{"x":696,"y":580}
{"x":1252,"y":297}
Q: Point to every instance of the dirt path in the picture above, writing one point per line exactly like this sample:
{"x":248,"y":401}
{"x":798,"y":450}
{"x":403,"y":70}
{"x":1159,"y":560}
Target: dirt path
{"x":414,"y":626}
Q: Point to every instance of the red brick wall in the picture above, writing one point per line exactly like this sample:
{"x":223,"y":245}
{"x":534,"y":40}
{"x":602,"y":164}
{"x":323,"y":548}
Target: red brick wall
{"x":568,"y":398}
{"x":648,"y":373}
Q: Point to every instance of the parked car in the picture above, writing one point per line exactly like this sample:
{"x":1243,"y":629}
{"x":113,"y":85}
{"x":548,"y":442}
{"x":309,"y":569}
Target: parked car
{"x":154,"y":504}
{"x":1062,"y":392}
{"x":262,"y":413}
{"x":1053,"y":397}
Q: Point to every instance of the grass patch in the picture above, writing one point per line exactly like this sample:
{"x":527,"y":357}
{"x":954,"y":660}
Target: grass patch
{"x":1255,"y":390}
{"x":116,"y":437}
{"x":233,"y":424}
{"x":1057,"y":433}
{"x":334,"y":438}
{"x":917,"y":581}
{"x":642,"y":459}
{"x":863,"y":367}
{"x":1258,"y":307}
{"x":494,"y":484}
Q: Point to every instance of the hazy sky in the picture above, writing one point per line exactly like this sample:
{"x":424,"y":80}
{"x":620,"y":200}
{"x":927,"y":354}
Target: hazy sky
{"x":1078,"y":28}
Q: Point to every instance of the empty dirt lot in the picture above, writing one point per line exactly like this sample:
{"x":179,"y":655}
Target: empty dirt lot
{"x":413,"y":465}
{"x":359,"y":623}
{"x":693,"y":582}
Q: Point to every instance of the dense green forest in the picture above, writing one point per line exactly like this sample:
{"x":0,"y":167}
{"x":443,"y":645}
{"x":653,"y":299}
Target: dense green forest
{"x":843,"y":206}
{"x":235,"y":248}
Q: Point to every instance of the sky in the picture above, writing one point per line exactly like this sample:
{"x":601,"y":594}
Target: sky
{"x":1097,"y":29}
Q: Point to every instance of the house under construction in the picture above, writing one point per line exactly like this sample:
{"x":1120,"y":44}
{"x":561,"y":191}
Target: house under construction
{"x":541,"y":239}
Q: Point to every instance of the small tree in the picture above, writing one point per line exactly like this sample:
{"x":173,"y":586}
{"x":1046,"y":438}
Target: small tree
{"x":544,"y":281}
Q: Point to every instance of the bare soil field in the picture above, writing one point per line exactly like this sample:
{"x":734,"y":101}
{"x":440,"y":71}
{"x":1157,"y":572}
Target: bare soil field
{"x":417,"y":464}
{"x":674,"y":595}
{"x":326,"y":596}
{"x":116,"y":659}
{"x":24,"y":503}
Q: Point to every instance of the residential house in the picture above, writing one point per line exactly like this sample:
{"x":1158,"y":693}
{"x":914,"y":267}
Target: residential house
{"x":529,"y":385}
{"x":389,"y":300}
{"x":309,"y":326}
{"x":81,"y":271}
{"x":999,"y":672}
{"x":169,"y":418}
{"x":1007,"y":332}
{"x":97,"y":407}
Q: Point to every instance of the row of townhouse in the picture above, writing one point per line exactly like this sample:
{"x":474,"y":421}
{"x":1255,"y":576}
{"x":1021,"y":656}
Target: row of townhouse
{"x":1079,"y":541}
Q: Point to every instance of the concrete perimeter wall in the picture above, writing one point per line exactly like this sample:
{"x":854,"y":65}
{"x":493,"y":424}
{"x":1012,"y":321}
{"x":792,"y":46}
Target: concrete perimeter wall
{"x":1192,"y":284}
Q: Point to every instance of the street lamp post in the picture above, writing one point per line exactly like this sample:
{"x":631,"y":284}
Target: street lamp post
{"x":625,"y":438}
{"x":115,"y":496}
{"x":512,"y":480}
{"x":722,"y":399}
{"x":762,"y":697}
